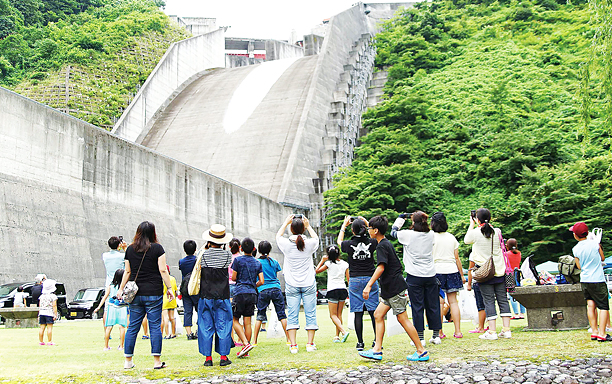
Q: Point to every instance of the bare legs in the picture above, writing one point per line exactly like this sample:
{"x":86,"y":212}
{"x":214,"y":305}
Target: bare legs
{"x":335,"y":313}
{"x":455,"y":311}
{"x":41,"y":332}
{"x":292,"y":334}
{"x":402,"y":318}
{"x":258,"y":324}
{"x":244,"y":334}
{"x":604,"y":318}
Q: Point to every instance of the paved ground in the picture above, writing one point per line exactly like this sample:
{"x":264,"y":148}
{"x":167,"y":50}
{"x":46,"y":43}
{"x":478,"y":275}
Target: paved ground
{"x":591,"y":370}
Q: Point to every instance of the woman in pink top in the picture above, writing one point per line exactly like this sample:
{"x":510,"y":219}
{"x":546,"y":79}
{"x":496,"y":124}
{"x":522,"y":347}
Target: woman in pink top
{"x":514,"y":258}
{"x":234,"y":245}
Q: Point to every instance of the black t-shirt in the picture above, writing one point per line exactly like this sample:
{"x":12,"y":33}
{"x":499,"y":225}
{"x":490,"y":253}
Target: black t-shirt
{"x":360,"y":256}
{"x":392,"y":280}
{"x":149,"y":279}
{"x":36,"y":292}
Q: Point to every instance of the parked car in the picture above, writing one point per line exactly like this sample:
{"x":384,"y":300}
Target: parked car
{"x":322,"y":296}
{"x":7,"y":294}
{"x":85,"y":302}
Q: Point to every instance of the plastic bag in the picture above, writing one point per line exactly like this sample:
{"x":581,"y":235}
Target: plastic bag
{"x":467,"y":305}
{"x":274,"y":328}
{"x":393,"y":326}
{"x":595,"y":235}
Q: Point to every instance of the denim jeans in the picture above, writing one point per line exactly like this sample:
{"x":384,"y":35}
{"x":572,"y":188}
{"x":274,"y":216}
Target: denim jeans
{"x":151,"y":306}
{"x":296,"y":296}
{"x":214,"y":320}
{"x":189,"y":303}
{"x":275,"y":296}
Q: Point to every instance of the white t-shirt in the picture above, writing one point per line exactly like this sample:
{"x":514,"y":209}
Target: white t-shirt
{"x":444,"y":248}
{"x":336,"y":273}
{"x":481,"y":249}
{"x":418,"y":256}
{"x":18,"y":299}
{"x":298,"y":266}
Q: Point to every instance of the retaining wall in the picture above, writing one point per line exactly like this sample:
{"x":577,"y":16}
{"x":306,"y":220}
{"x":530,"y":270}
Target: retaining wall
{"x":67,"y":186}
{"x":181,"y":61}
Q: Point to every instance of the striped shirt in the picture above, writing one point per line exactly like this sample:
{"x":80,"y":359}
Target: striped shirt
{"x":216,"y":258}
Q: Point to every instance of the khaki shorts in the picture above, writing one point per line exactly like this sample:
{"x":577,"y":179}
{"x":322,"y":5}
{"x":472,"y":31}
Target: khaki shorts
{"x":397,"y":303}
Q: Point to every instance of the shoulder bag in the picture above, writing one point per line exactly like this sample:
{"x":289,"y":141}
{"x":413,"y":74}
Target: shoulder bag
{"x":485,"y":272}
{"x":194,"y":279}
{"x":131,"y":288}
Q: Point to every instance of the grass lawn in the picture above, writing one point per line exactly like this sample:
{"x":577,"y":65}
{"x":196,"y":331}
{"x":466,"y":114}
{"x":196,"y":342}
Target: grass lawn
{"x":78,"y":356}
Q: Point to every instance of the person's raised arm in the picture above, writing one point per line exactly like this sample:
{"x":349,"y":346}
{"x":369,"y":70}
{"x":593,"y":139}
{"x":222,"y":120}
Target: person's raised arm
{"x":397,"y":225}
{"x":283,"y":227}
{"x":469,"y":237}
{"x":310,"y":230}
{"x":377,"y":273}
{"x":321,"y":266}
{"x":345,"y":223}
{"x":163,"y":271}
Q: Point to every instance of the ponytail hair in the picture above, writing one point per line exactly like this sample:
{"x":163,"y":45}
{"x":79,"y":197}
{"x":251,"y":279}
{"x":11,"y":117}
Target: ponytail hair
{"x":484,"y":216}
{"x":512,"y":246}
{"x":360,"y":230}
{"x":234,"y":245}
{"x":264,"y":248}
{"x":333,"y":253}
{"x":297,"y":228}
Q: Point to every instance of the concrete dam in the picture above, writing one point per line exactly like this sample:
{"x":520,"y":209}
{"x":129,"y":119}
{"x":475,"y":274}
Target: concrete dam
{"x":208,"y":139}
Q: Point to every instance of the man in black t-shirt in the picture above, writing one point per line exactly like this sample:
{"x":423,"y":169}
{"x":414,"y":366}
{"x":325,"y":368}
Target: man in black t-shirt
{"x":393,"y":292}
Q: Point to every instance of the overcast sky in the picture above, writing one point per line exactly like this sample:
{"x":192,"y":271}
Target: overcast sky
{"x":264,"y":19}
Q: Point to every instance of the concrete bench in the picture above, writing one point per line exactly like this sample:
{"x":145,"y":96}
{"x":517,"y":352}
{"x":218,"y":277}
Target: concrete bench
{"x":553,"y":307}
{"x":20,"y":317}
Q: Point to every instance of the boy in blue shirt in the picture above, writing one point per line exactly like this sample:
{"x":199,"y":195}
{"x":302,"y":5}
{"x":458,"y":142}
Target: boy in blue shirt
{"x":589,"y":255}
{"x":190,"y":303}
{"x":248,"y":275}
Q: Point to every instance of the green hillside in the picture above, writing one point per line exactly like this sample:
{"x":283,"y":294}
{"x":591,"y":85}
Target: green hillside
{"x":84,"y":57}
{"x":484,"y":110}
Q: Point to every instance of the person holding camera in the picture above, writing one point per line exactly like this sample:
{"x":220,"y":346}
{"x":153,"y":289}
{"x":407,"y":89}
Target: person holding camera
{"x":300,"y":284}
{"x":360,"y":249}
{"x":423,"y":287}
{"x":486,"y":243}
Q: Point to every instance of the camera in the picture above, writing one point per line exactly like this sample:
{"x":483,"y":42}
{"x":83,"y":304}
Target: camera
{"x":353,"y":218}
{"x":298,"y":216}
{"x":473,"y":214}
{"x":121,"y":239}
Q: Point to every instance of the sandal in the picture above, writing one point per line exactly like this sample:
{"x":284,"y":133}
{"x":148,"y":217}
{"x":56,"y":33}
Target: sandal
{"x":458,"y":335}
{"x":162,"y":366}
{"x":477,"y":330}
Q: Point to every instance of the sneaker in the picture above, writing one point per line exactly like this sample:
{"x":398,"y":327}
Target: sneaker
{"x":293,"y":349}
{"x":360,"y":346}
{"x":208,"y":363}
{"x":418,"y":357}
{"x":422,"y":342}
{"x":107,"y":349}
{"x":505,"y":334}
{"x":144,"y":337}
{"x":434,"y":340}
{"x":225,"y":362}
{"x":488,"y":336}
{"x":370,"y":354}
{"x":51,"y":343}
{"x":120,"y":348}
{"x":311,"y":347}
{"x":344,"y":337}
{"x":608,"y":329}
{"x":244,"y":350}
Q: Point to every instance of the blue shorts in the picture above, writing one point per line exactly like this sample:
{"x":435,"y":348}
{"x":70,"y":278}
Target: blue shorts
{"x":356,"y":301}
{"x":43,"y":319}
{"x":450,"y":282}
{"x":479,"y":300}
{"x":442,"y":294}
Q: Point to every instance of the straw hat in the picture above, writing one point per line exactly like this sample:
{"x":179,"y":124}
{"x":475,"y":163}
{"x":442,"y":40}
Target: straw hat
{"x":48,"y":286}
{"x":216,"y":234}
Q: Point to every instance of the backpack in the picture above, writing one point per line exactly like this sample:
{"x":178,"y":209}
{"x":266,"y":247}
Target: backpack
{"x":184,"y":289}
{"x":567,"y":268}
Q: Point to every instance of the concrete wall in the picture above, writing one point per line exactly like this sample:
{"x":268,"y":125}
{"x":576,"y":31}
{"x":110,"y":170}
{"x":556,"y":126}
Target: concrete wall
{"x":278,"y":50}
{"x":67,"y":186}
{"x":182,"y":61}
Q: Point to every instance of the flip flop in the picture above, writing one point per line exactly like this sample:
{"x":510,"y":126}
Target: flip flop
{"x":161,"y":366}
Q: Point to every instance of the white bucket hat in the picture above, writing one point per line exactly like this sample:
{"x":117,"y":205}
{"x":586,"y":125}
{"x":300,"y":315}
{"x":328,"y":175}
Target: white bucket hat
{"x":216,"y":234}
{"x":48,"y":286}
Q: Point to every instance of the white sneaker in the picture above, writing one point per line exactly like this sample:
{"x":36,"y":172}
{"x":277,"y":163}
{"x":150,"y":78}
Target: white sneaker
{"x":422,"y":342}
{"x":311,"y":347}
{"x":488,"y":335}
{"x":293,"y":349}
{"x":435,"y":340}
{"x":505,"y":334}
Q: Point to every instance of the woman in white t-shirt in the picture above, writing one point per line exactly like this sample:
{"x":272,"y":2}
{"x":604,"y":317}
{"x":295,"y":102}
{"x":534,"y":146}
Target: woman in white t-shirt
{"x":300,"y":284}
{"x":449,"y":270}
{"x":337,"y":272}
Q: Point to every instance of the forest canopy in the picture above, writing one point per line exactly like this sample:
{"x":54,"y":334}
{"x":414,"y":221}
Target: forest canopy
{"x":484,"y":108}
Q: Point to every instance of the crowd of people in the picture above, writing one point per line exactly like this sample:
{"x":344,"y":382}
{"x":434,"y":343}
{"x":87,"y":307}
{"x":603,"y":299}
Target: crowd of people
{"x":228,"y":279}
